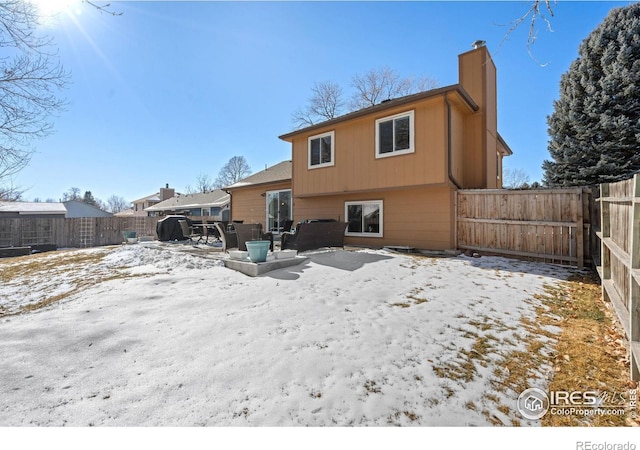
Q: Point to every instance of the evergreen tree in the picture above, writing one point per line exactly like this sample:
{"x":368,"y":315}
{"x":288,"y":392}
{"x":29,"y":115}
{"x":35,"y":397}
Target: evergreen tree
{"x":595,"y":127}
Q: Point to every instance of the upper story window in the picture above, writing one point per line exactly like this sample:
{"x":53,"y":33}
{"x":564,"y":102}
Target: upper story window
{"x":395,"y":135}
{"x":321,"y":150}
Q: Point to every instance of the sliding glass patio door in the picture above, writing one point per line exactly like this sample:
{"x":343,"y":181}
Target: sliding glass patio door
{"x":279,"y":210}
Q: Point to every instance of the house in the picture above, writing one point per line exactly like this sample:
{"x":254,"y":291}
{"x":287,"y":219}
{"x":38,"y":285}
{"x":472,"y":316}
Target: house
{"x":143,"y":203}
{"x":32,"y":210}
{"x":77,"y":208}
{"x":213,"y":203}
{"x":264,"y":197}
{"x":125,"y":213}
{"x":391,"y":171}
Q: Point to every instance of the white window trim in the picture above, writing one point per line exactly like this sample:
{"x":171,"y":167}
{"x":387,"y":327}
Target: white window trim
{"x":378,"y":203}
{"x":333,"y":146}
{"x":411,"y":148}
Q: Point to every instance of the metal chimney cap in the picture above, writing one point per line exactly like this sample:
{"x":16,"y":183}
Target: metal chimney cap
{"x":479,"y":43}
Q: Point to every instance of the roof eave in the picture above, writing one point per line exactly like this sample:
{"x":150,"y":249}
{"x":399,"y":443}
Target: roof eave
{"x":508,"y":151}
{"x":387,"y":105}
{"x":252,"y":185}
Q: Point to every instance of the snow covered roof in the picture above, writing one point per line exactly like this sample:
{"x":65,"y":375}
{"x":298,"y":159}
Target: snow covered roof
{"x":153,"y":197}
{"x":215,"y":198}
{"x":32,"y":208}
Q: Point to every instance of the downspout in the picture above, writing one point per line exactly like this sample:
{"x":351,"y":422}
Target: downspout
{"x":449,"y":156}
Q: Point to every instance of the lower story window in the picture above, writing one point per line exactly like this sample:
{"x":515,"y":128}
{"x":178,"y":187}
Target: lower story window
{"x":364,"y":218}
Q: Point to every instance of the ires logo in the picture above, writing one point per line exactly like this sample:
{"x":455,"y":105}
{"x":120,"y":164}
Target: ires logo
{"x":534,"y":403}
{"x":575,"y":398}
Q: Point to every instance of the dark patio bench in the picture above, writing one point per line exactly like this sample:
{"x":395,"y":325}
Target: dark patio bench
{"x":313,"y":235}
{"x":241,"y":234}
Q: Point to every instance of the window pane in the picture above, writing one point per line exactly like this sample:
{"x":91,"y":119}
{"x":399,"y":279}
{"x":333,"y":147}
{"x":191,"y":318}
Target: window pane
{"x":371,"y":219}
{"x":315,"y":152}
{"x":272,"y":211}
{"x":354,"y":217}
{"x":325,"y":156}
{"x":385,"y":137}
{"x":284,"y":211}
{"x":402,"y":133}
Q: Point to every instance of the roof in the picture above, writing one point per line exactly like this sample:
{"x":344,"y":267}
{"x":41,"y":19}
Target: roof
{"x":505,"y":147}
{"x":153,"y":197}
{"x":32,"y":208}
{"x":388,"y":105}
{"x":124,"y":213}
{"x":76,"y":208}
{"x":215,"y":198}
{"x":273,"y":174}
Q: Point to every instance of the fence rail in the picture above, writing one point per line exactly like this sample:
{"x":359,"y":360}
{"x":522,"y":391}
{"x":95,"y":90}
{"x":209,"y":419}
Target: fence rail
{"x":619,"y":267}
{"x":548,"y":225}
{"x":76,"y":232}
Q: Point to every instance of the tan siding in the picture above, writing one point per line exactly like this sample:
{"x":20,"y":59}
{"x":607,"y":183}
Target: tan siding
{"x":249,"y":205}
{"x":492,"y":146}
{"x":420,"y":218}
{"x":356,"y":167}
{"x":474,"y":161}
{"x":457,"y":145}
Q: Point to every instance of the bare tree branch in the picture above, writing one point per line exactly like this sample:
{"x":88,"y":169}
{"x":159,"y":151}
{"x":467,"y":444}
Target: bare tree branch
{"x":30,"y":82}
{"x":103,"y":8}
{"x":233,"y":171}
{"x":536,"y":12}
{"x":325,"y":103}
{"x":203,"y":184}
{"x":11,"y":193}
{"x":116,"y":204}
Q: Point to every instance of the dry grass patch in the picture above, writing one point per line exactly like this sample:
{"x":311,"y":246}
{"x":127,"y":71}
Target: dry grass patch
{"x":588,"y":354}
{"x":591,"y":352}
{"x":75,"y":270}
{"x":51,"y":262}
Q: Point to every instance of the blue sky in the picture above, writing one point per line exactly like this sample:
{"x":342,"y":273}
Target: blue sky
{"x":169,"y":90}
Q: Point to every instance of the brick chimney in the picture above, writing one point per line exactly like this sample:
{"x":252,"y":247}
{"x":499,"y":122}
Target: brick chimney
{"x":167,"y":193}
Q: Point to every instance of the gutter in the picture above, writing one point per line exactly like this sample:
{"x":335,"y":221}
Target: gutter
{"x":449,"y":157}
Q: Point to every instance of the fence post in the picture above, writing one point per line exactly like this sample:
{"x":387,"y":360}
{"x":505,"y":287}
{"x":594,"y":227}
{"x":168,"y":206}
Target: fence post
{"x":580,"y":230}
{"x":634,"y":282}
{"x":605,"y":232}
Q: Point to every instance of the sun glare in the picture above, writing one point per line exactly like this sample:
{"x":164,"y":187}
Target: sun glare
{"x":48,"y":9}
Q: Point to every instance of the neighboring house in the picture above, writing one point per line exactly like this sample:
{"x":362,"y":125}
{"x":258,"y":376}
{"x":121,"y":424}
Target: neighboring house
{"x":125,"y":213}
{"x":214,"y":203}
{"x":264,"y":197}
{"x":31,"y":210}
{"x":77,"y":208}
{"x":143,"y":203}
{"x":392,"y":170}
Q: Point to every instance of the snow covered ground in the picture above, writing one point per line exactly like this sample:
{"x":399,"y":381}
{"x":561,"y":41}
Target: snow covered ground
{"x":154,"y":335}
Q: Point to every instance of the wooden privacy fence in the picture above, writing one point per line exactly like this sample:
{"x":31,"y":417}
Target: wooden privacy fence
{"x":76,"y":232}
{"x":619,"y":267}
{"x":549,"y":225}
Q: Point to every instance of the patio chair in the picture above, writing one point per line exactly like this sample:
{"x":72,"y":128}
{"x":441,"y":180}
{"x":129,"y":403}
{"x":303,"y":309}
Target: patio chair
{"x":188,"y":230}
{"x":286,"y":225}
{"x":229,"y":238}
{"x":251,"y":232}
